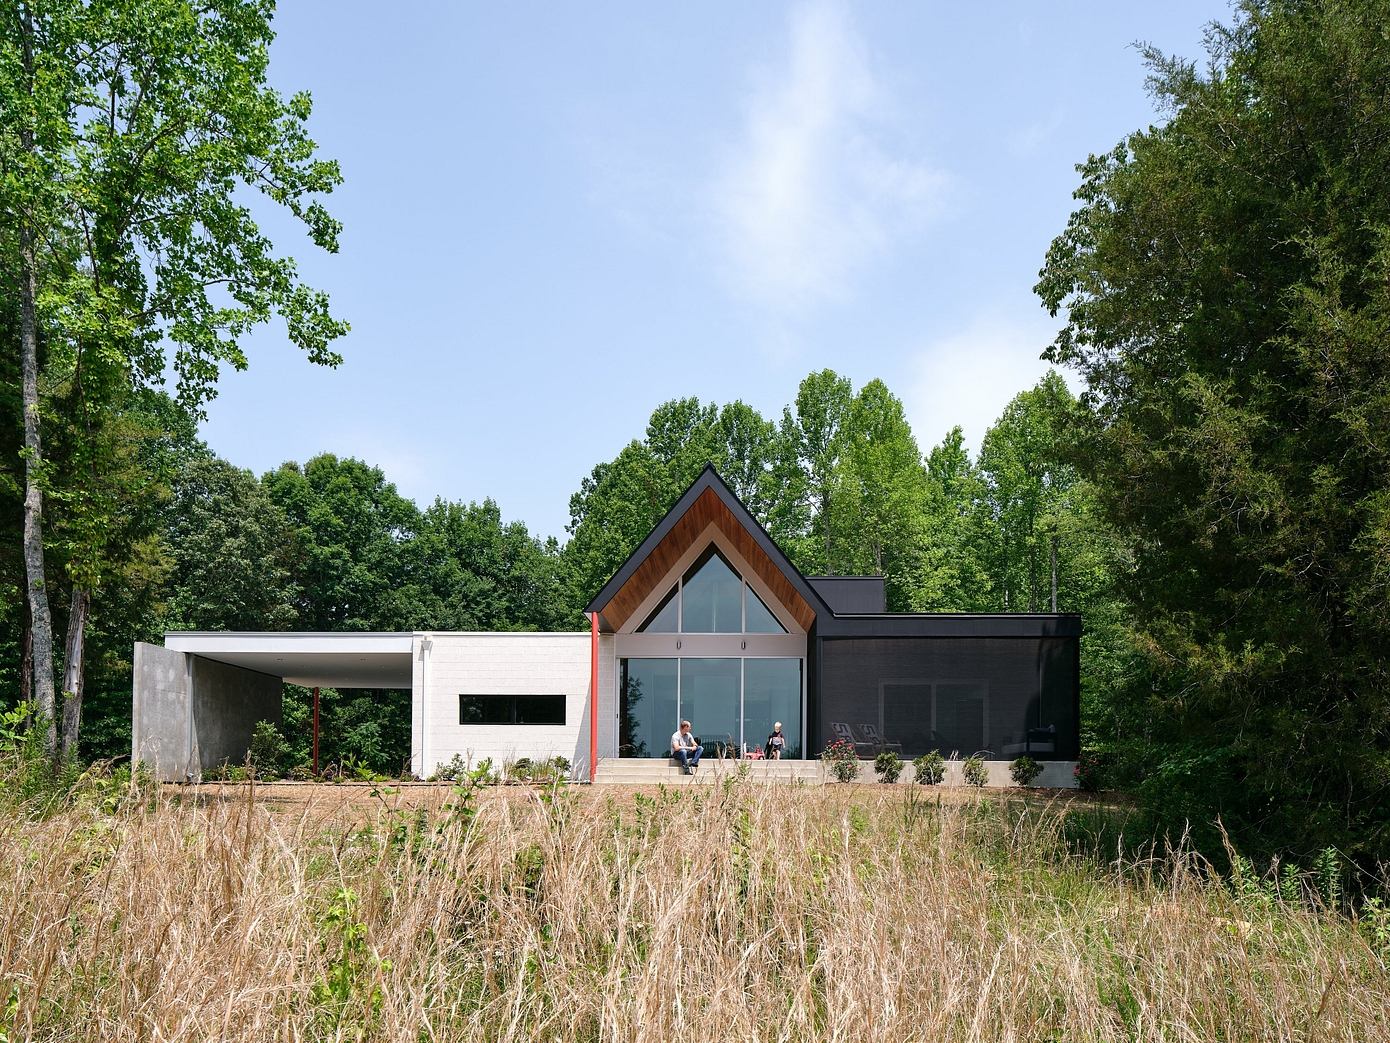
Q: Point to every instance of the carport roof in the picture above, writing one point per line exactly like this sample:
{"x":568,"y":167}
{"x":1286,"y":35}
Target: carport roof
{"x":337,"y":660}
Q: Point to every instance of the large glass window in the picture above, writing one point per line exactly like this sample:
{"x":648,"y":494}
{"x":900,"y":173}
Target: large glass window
{"x":666,"y":618}
{"x":731,"y":704}
{"x":712,"y":598}
{"x":757,"y":617}
{"x":649,"y":712}
{"x":772,"y":694}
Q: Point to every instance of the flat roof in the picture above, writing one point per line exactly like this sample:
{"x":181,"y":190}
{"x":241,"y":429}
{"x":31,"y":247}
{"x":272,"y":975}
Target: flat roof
{"x":334,"y":660}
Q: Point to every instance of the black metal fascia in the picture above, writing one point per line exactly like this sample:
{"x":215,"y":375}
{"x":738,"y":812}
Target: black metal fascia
{"x":949,"y":624}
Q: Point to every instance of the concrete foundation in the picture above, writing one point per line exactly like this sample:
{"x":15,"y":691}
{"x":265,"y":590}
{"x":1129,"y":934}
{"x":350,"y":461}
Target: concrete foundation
{"x":190,"y":714}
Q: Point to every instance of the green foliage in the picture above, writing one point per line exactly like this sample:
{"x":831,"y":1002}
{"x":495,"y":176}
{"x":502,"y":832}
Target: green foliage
{"x":888,"y":766}
{"x":1374,"y":919}
{"x":232,"y":550}
{"x":1224,"y":286}
{"x":1025,"y":770}
{"x":974,"y":771}
{"x":269,"y":753}
{"x":842,"y":760}
{"x":929,"y":769}
{"x":349,"y":996}
{"x":1327,"y":877}
{"x":13,"y":728}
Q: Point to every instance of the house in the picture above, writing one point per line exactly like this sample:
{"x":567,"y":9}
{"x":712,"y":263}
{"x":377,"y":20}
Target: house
{"x":706,"y":620}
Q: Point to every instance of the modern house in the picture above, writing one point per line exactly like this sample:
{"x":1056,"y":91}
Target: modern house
{"x":706,"y":620}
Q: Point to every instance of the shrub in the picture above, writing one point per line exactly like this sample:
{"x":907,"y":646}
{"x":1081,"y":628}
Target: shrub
{"x":1090,"y":771}
{"x":888,"y":766}
{"x":455,"y":769}
{"x":1025,"y":770}
{"x":269,"y":751}
{"x":842,"y":760}
{"x":974,"y":770}
{"x":930,"y":768}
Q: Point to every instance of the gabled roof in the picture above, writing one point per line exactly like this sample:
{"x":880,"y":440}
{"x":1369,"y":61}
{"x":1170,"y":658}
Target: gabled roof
{"x":708,"y":501}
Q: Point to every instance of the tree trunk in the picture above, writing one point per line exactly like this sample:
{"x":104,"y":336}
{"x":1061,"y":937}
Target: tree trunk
{"x":44,"y":704}
{"x":73,"y":671}
{"x":26,"y":660}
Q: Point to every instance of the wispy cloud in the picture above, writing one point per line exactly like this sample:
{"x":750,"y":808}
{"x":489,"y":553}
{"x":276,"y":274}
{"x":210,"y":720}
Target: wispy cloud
{"x":813,"y":190}
{"x":967,"y":377}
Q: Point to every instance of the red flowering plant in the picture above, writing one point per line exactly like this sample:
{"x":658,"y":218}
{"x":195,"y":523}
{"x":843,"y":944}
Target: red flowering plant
{"x":1089,"y":771}
{"x":842,"y":759}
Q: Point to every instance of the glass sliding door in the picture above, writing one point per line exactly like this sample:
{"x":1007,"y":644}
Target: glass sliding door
{"x":772,"y":693}
{"x":648,"y":711}
{"x":729,"y":702}
{"x":710,"y":702}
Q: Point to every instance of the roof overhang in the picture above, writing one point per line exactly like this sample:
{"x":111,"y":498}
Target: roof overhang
{"x":348,"y":660}
{"x":952,"y":624}
{"x":708,"y":501}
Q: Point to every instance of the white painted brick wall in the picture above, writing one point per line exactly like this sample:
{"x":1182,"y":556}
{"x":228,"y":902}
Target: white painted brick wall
{"x":504,"y":664}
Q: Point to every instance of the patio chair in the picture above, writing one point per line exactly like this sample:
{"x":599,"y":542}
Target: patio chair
{"x":879,"y":743}
{"x":846,"y":733}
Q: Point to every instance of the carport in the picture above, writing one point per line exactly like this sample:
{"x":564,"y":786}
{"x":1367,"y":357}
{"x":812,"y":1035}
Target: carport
{"x":198,"y":697}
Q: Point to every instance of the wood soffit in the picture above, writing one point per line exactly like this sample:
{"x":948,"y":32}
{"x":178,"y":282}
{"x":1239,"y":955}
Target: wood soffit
{"x":707,"y":509}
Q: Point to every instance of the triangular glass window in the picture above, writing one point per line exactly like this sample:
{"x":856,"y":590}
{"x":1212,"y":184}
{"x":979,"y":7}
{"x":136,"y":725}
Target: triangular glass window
{"x":712,"y":597}
{"x":663,"y":619}
{"x":757,"y":617}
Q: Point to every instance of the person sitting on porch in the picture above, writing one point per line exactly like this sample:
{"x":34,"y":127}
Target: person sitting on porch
{"x":685,"y":749}
{"x":776,"y":742}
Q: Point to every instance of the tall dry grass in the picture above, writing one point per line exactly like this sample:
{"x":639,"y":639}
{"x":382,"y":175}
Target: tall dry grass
{"x":741,"y":912}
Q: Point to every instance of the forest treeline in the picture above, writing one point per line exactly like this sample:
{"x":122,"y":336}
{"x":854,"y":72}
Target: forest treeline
{"x":1217,"y":496}
{"x":330,"y":544}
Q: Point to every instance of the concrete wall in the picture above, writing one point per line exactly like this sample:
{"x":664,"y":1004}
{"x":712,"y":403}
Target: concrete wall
{"x":500,"y":664}
{"x":189,"y":714}
{"x":159,"y":730}
{"x":227,"y":703}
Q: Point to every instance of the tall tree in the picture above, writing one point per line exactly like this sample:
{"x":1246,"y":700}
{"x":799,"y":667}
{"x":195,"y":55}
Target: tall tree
{"x":349,"y":526}
{"x":815,"y":430}
{"x":1030,"y":489}
{"x":232,"y":550}
{"x":878,"y":503}
{"x":954,"y":576}
{"x":1224,"y":281}
{"x":131,"y":137}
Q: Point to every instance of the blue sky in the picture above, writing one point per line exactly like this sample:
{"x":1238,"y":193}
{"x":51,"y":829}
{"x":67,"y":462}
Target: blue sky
{"x":558,"y":216}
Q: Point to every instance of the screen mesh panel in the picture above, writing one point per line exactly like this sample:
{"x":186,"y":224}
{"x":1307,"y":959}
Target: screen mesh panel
{"x":1003,"y":697}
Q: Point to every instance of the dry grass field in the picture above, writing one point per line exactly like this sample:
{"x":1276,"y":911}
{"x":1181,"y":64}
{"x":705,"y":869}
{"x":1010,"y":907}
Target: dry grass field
{"x":736,"y":912}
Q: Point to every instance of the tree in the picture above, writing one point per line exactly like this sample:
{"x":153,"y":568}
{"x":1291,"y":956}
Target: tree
{"x":1224,"y":280}
{"x":620,"y":501}
{"x":1030,"y":488}
{"x":878,"y":498}
{"x":232,"y":551}
{"x":465,"y":569}
{"x":954,"y":576}
{"x":815,"y":434}
{"x":349,"y":525}
{"x":130,"y":136}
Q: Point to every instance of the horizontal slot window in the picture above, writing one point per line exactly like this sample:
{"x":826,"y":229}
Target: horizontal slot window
{"x":511,"y":709}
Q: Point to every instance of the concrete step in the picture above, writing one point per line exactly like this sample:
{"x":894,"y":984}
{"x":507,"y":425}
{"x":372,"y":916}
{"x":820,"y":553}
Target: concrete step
{"x":640,"y":772}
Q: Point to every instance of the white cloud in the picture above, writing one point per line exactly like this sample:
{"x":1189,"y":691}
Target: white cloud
{"x":969,"y":376}
{"x":812,"y":192}
{"x":1028,"y":139}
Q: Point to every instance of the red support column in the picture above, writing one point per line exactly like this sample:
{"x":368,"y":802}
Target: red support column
{"x":593,"y":695}
{"x":316,"y":729}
